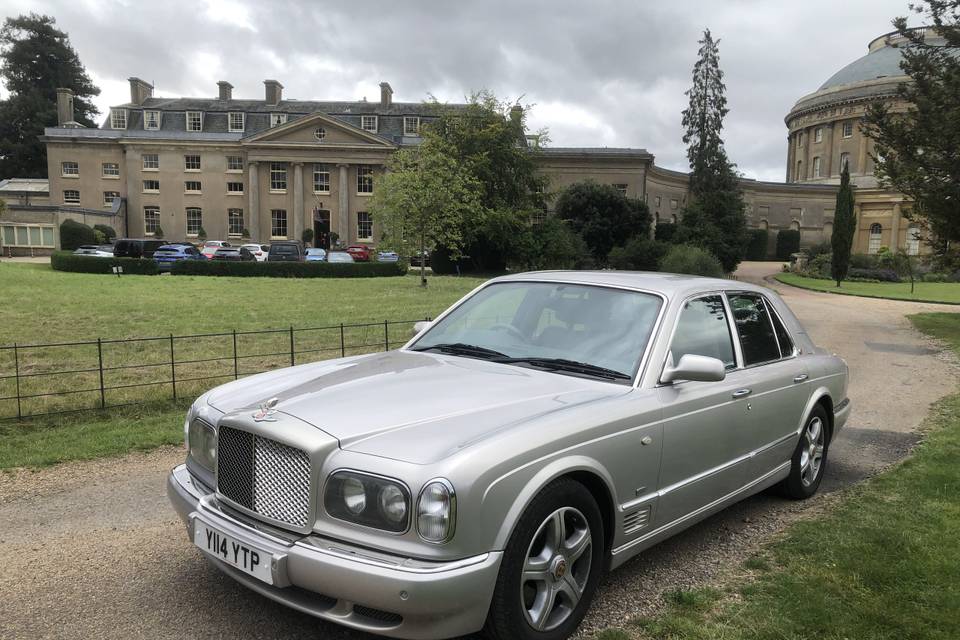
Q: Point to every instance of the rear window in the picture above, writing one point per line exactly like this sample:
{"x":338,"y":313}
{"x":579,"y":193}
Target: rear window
{"x":757,"y":338}
{"x":283,"y":248}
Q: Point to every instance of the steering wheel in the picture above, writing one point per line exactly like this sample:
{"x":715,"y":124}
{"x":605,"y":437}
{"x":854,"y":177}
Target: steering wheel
{"x":509,"y":328}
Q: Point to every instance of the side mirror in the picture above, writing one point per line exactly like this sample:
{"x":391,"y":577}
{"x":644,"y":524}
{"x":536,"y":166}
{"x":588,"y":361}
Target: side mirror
{"x":418,"y":327}
{"x":696,"y":368}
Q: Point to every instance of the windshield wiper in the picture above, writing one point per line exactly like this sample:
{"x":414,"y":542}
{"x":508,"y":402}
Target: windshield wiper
{"x":462,"y":349}
{"x":561,"y":364}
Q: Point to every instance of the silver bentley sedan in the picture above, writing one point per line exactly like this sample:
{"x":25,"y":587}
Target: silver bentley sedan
{"x":544,"y":429}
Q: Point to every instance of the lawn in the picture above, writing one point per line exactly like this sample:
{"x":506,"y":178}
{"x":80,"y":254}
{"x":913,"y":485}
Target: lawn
{"x":882,"y":563}
{"x":947,"y":292}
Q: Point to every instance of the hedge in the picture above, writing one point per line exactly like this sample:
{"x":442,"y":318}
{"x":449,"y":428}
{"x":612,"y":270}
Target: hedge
{"x":757,"y":245}
{"x":788,"y":242}
{"x":66,"y":261}
{"x":73,"y":234}
{"x":289,"y":269}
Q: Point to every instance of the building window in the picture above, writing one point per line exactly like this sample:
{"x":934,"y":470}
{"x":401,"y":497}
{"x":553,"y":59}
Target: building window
{"x":151,"y":186}
{"x":19,"y":235}
{"x":191,"y":163}
{"x":235,"y":222}
{"x":913,"y":240}
{"x":657,"y":200}
{"x":277,"y":119}
{"x":194,"y":221}
{"x":622,"y":188}
{"x":816,"y":167}
{"x":236,"y":121}
{"x":69,"y":169}
{"x":151,"y":220}
{"x":364,"y":179}
{"x":368,"y":123}
{"x":151,"y":120}
{"x":800,"y":139}
{"x":118,"y":118}
{"x":411,"y":126}
{"x":278,"y":176}
{"x":109,"y":197}
{"x":194,"y":121}
{"x":364,"y":226}
{"x":151,"y":162}
{"x":278,"y":223}
{"x":844,"y":161}
{"x":876,"y":231}
{"x":847,"y":129}
{"x":71,"y":196}
{"x":674,"y":204}
{"x":234,"y":163}
{"x":818,"y":134}
{"x":235,"y":188}
{"x":320,"y":133}
{"x":799,"y":170}
{"x":192,"y":186}
{"x":110,"y":170}
{"x":321,"y":178}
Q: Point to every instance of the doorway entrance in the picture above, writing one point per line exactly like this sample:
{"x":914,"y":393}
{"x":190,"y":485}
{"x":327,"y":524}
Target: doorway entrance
{"x":321,"y":228}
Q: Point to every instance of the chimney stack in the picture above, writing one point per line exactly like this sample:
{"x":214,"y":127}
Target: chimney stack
{"x":274,"y":92}
{"x":64,"y":107}
{"x":386,"y":94}
{"x":140,"y":90}
{"x":226,"y":90}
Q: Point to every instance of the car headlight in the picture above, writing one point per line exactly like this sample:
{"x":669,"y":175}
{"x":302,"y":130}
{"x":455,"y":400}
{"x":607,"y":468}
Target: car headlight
{"x":437,"y":511}
{"x":368,"y":500}
{"x":202,"y":443}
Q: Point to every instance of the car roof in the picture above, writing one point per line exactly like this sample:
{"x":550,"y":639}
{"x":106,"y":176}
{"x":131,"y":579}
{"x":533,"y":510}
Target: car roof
{"x":672,"y":285}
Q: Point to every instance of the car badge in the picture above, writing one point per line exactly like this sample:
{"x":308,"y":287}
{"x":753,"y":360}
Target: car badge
{"x":267,"y":411}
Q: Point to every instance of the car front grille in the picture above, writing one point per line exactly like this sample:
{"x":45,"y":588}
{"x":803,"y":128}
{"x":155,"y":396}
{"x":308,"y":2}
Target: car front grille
{"x":263,"y":475}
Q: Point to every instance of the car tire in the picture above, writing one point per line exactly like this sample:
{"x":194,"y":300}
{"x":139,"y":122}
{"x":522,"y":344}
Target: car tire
{"x":544,"y":609}
{"x":809,"y":460}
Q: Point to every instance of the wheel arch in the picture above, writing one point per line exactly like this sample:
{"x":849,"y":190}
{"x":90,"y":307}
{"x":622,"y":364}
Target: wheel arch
{"x":822,"y":398}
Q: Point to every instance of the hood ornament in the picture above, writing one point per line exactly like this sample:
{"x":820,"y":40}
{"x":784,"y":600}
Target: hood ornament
{"x":267,"y":411}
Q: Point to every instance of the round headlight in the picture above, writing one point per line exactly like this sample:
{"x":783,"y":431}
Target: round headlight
{"x":393,"y":504}
{"x":437,"y":511}
{"x":354,"y":495}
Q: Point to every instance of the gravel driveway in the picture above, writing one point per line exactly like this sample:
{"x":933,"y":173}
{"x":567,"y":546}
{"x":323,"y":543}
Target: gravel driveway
{"x":92,"y":549}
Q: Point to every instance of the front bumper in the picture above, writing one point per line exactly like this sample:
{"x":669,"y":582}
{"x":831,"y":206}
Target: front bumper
{"x":353,"y":586}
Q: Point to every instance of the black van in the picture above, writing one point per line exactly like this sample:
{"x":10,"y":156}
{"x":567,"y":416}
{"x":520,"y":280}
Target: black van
{"x":286,"y":251}
{"x":136,"y":248}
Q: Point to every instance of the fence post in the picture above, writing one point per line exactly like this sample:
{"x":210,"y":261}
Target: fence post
{"x":236,"y":373}
{"x":103,"y":397}
{"x":343,"y":345}
{"x":386,"y":337}
{"x":16,"y":374}
{"x":173,"y":369}
{"x":291,"y":346}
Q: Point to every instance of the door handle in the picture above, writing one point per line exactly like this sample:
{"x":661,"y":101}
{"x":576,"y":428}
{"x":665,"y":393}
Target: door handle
{"x":800,"y":378}
{"x":741,"y":393}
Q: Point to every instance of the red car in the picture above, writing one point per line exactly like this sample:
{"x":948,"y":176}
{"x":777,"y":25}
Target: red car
{"x":360,"y":252}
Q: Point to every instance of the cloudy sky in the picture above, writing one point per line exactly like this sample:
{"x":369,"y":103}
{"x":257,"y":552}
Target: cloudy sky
{"x":598,"y":72}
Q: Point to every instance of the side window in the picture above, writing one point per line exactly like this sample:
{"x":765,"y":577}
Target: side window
{"x":757,"y":339}
{"x":783,"y":337}
{"x":702,"y":330}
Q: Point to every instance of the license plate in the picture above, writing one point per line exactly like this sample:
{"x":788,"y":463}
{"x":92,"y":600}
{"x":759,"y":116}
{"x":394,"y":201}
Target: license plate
{"x":250,"y":560}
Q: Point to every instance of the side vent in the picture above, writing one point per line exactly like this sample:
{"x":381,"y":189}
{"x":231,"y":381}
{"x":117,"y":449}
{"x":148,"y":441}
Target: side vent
{"x":633,"y":522}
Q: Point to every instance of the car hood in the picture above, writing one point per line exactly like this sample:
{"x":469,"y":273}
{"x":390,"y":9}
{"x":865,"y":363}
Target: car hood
{"x":415,"y":407}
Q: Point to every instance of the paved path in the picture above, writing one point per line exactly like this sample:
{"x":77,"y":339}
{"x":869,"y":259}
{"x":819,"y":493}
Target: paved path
{"x":92,"y":549}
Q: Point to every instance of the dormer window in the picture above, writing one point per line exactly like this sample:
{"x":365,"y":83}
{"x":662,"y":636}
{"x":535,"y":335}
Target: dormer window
{"x":151,"y":120}
{"x":411,"y":125}
{"x":236,"y":121}
{"x":277,"y":119}
{"x":368,"y":123}
{"x":194,"y":120}
{"x":118,"y":118}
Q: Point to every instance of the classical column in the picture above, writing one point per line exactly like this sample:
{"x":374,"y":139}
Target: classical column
{"x":254,"y":186}
{"x":808,"y":134}
{"x":862,"y":159}
{"x":297,"y":200}
{"x":344,"y":223}
{"x":895,"y":227}
{"x":828,"y":149}
{"x":791,"y":141}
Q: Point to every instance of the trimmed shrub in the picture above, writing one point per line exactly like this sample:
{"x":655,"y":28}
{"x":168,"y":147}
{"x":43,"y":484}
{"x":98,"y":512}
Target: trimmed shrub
{"x":73,"y":234}
{"x":66,"y":261}
{"x":936,"y":277}
{"x":820,"y":267}
{"x":757,"y":244}
{"x":684,"y":258}
{"x":106,"y":230}
{"x":878,"y":275}
{"x":665,"y":232}
{"x":864,"y":261}
{"x":788,"y":242}
{"x":289,"y":269}
{"x":639,"y":254}
{"x":819,"y":249}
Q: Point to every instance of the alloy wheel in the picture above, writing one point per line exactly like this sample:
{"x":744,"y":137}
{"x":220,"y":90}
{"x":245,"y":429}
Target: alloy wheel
{"x":811,"y":457}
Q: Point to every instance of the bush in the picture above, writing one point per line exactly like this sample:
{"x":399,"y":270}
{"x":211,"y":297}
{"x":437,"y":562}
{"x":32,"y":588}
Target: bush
{"x":73,"y":234}
{"x":788,"y":243}
{"x":936,"y":277}
{"x":549,"y":245}
{"x":665,"y":232}
{"x":684,"y":258}
{"x":66,"y":261}
{"x":109,"y":232}
{"x":878,"y":275}
{"x":819,"y":250}
{"x":757,"y":244}
{"x":639,"y":254}
{"x":820,"y":267}
{"x":289,"y":269}
{"x":863,"y":261}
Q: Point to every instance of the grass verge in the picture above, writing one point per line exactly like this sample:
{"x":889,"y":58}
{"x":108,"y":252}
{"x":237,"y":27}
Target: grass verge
{"x":943,"y":292}
{"x":880,"y":564}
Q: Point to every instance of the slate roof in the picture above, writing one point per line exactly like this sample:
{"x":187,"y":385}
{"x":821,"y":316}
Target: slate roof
{"x":596,"y":151}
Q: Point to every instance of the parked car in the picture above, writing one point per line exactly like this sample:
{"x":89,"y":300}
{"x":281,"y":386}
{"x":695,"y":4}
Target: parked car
{"x":339,"y":256}
{"x":166,"y":255}
{"x":95,"y":250}
{"x":209,"y":247}
{"x":420,"y":258}
{"x":259,"y":251}
{"x":316,"y":254}
{"x":234,"y":254}
{"x":286,"y":251}
{"x":136,"y":247}
{"x":360,"y":252}
{"x":543,"y":429}
{"x":388,"y":256}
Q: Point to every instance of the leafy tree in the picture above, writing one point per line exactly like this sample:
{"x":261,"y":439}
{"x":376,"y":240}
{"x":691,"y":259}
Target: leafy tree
{"x":714,"y":218}
{"x":685,"y":258}
{"x":602,"y":216}
{"x":639,"y":254}
{"x":35,"y":60}
{"x":844,"y":229}
{"x":551,"y":244}
{"x":916,"y":151}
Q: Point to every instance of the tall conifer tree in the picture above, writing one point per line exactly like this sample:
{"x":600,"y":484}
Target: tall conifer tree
{"x":844,"y":228}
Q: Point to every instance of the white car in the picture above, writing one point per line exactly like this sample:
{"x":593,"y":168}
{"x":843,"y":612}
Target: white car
{"x":97,"y":251}
{"x":259,"y":251}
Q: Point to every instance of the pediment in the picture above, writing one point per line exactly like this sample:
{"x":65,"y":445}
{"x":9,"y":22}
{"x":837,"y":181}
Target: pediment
{"x":302,"y":132}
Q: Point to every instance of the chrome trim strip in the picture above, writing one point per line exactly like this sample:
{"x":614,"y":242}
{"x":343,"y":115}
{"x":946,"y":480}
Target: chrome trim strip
{"x":439,"y":567}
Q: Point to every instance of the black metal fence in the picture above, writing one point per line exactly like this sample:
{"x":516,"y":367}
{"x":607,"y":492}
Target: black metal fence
{"x":64,"y":377}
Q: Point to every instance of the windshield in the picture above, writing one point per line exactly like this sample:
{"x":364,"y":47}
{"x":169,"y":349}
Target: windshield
{"x":544,"y":322}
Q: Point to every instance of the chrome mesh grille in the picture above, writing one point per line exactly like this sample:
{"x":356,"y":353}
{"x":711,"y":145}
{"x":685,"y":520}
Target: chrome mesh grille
{"x":263,"y":475}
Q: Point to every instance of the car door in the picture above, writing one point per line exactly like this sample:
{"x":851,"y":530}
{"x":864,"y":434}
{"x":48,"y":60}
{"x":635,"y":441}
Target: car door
{"x":777,"y":380}
{"x":705,"y":446}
